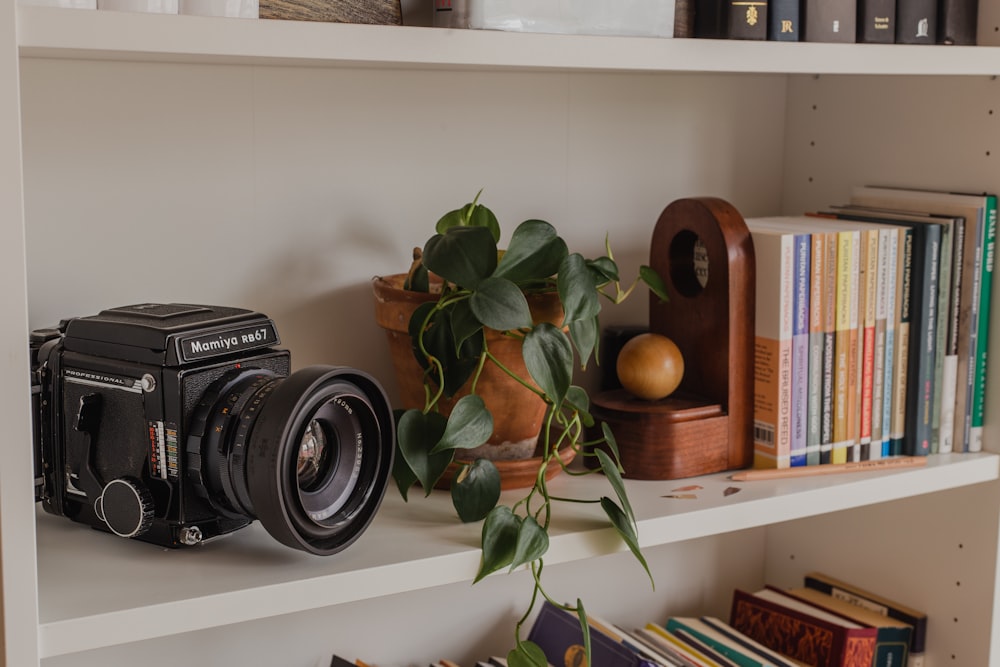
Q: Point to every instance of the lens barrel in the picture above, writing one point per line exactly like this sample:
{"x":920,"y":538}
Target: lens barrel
{"x":309,"y":455}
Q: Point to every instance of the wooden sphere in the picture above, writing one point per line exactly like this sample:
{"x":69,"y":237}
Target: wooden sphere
{"x":650,"y":366}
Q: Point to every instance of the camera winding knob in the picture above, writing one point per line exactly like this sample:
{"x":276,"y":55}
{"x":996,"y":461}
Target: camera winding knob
{"x":126,"y":506}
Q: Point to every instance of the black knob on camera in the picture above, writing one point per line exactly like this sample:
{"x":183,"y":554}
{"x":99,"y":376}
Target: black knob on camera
{"x":126,"y":506}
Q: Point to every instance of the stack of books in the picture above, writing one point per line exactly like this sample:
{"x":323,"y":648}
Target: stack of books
{"x":823,"y":623}
{"x":866,"y":21}
{"x":872,"y":323}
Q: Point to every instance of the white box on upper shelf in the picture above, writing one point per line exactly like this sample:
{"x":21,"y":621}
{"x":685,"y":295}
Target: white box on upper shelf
{"x":69,"y":4}
{"x":244,"y":9}
{"x":636,"y":18}
{"x":151,"y":6}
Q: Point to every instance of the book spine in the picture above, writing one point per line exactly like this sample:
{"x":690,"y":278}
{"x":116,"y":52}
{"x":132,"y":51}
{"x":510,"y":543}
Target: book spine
{"x":891,"y":324}
{"x":982,"y":336}
{"x":773,"y":350}
{"x":829,"y":348}
{"x":944,"y":384}
{"x":916,"y":21}
{"x":711,"y":18}
{"x":877,"y":21}
{"x":783,"y":17}
{"x":904,"y":296}
{"x":854,"y":353}
{"x":747,"y":19}
{"x":878,"y":372}
{"x":830,"y":20}
{"x":800,"y":349}
{"x":967,"y":338}
{"x":867,"y":341}
{"x":921,"y":368}
{"x":842,"y":348}
{"x":950,"y":401}
{"x":814,"y":407}
{"x":958,"y":22}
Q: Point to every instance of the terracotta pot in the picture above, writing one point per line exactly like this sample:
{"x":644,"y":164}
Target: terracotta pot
{"x":517,"y":412}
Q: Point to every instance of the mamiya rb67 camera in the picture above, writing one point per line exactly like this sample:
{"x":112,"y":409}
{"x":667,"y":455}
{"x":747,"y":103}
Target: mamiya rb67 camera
{"x":175,"y":423}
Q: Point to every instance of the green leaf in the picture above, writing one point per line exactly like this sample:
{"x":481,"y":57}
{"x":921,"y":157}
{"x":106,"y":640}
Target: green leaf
{"x":475,"y":490}
{"x":480,"y":216}
{"x":626,"y":530}
{"x":604,"y":270}
{"x":584,"y":628}
{"x":654,"y":282}
{"x":534,"y":253}
{"x":463,"y":322}
{"x":578,"y":401}
{"x":472,"y":214}
{"x":418,"y":280}
{"x":576,"y":289}
{"x":584,"y":334}
{"x":469,"y":425}
{"x":414,"y":327}
{"x":499,"y":540}
{"x":610,"y":469}
{"x":500,"y":304}
{"x":532,"y":543}
{"x":548,"y":356}
{"x":463,"y":255}
{"x":609,"y":438}
{"x":417,"y":435}
{"x":401,"y":472}
{"x":527,"y":654}
{"x":458,"y":362}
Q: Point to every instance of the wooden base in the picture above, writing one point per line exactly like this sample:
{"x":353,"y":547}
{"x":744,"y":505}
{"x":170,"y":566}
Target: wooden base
{"x":678,"y":436}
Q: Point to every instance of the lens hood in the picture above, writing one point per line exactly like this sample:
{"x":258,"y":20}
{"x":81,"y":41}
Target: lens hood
{"x":296,"y":403}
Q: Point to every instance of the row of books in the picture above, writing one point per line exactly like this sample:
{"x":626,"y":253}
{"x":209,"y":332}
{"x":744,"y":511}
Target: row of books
{"x":872,"y":324}
{"x":870,"y":21}
{"x":823,"y":623}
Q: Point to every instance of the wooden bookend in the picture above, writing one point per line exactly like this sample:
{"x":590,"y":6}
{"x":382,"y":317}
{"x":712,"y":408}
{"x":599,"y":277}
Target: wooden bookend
{"x":382,"y":12}
{"x":703,"y":250}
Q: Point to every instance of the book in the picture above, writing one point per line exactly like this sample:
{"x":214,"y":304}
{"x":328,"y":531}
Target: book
{"x":687,"y":653}
{"x":862,"y":597}
{"x":982,"y":336}
{"x":800,"y":349}
{"x":783,"y":18}
{"x":818,"y":280}
{"x":892,"y":638}
{"x":739,"y":652}
{"x":751,"y":647}
{"x":830,"y":20}
{"x":801,"y":631}
{"x":973,"y":210}
{"x":916,"y":21}
{"x":774,"y":250}
{"x":877,"y":21}
{"x":558,"y":633}
{"x":958,"y":22}
{"x":747,"y":19}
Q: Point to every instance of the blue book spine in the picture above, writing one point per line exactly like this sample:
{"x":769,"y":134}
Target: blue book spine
{"x":783,"y":21}
{"x":800,"y":349}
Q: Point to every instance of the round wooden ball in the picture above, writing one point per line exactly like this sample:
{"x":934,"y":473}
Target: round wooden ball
{"x":650,"y":366}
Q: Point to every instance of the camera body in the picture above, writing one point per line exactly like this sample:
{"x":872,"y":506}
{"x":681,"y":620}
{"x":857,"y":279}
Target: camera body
{"x":173,"y":424}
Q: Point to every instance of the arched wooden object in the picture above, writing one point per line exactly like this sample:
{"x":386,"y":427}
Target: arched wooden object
{"x":707,"y":424}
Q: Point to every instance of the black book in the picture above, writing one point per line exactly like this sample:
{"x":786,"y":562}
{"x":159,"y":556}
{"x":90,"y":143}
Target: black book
{"x":958,"y":22}
{"x":830,"y":20}
{"x":916,"y":21}
{"x":710,"y":19}
{"x":783,"y":17}
{"x":747,"y":19}
{"x":877,"y":21}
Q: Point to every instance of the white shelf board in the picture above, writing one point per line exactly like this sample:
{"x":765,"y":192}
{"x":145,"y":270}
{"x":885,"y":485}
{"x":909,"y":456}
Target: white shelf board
{"x":71,"y":33}
{"x":96,"y":590}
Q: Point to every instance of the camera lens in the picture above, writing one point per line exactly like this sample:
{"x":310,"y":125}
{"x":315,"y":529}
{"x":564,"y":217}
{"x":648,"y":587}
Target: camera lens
{"x":309,"y":455}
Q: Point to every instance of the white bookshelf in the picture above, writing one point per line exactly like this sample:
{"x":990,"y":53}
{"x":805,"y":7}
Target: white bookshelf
{"x":286,"y":163}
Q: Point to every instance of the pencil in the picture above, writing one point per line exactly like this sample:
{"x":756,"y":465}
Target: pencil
{"x":830,"y":468}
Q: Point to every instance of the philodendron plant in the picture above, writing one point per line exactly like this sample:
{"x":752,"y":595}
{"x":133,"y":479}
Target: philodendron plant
{"x":482,"y":287}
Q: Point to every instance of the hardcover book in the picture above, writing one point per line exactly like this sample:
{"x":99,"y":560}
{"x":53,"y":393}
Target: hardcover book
{"x":877,"y":21}
{"x":861,"y":597}
{"x":784,"y":17}
{"x":916,"y":21}
{"x":747,"y":19}
{"x":800,"y":631}
{"x":558,"y":633}
{"x":830,"y":20}
{"x":958,"y":22}
{"x":892,"y":639}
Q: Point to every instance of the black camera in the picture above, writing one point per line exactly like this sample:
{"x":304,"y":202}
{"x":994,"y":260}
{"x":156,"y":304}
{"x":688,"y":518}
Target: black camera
{"x":176,"y":423}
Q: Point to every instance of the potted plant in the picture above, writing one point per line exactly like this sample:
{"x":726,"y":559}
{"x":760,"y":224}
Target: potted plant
{"x":463,"y":300}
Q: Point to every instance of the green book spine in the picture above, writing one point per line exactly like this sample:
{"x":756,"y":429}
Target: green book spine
{"x":737,"y":657}
{"x":982,"y":335}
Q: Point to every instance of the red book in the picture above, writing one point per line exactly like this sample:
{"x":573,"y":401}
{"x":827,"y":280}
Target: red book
{"x":801,"y":631}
